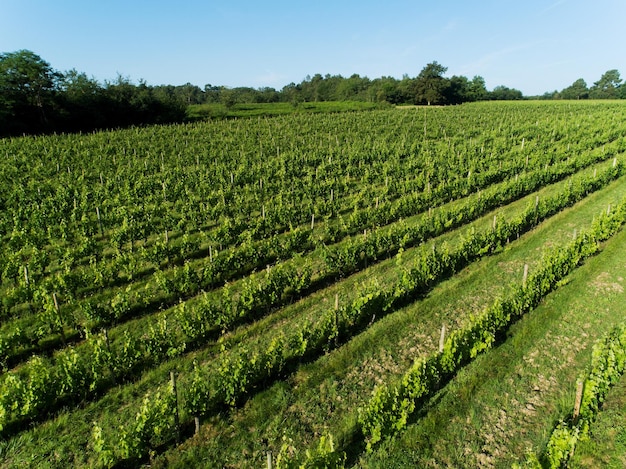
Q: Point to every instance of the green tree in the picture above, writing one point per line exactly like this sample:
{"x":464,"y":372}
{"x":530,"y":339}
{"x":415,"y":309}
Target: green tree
{"x":607,"y":86}
{"x":27,"y":86}
{"x":228,"y":98}
{"x":504,"y":93}
{"x":81,"y":101}
{"x":458,"y":90}
{"x":577,"y":90}
{"x":385,"y":89}
{"x":189,"y":94}
{"x":430,"y":85}
{"x":477,"y":90}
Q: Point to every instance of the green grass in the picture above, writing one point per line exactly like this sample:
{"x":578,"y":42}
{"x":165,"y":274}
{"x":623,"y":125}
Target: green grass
{"x":220,"y":111}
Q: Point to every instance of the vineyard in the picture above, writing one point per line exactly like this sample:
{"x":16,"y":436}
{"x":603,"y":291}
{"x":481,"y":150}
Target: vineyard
{"x":387,"y":288}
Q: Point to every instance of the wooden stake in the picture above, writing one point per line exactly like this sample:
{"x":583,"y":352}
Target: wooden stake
{"x":196,"y":420}
{"x":580,"y":386}
{"x":495,"y":220}
{"x":442,"y":338}
{"x":608,"y":210}
{"x":615,"y":161}
{"x":26,"y":274}
{"x":58,"y":311}
{"x":336,"y":301}
{"x":106,"y":340}
{"x":312,"y":220}
{"x":525,"y":278}
{"x":99,"y":221}
{"x":176,"y":418}
{"x":269,"y":460}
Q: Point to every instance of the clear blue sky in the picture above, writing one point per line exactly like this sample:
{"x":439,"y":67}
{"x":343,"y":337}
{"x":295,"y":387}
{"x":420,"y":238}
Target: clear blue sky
{"x":532,"y":45}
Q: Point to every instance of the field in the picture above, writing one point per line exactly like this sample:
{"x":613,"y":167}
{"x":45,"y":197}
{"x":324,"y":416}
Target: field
{"x":220,"y":111}
{"x":411,"y":287}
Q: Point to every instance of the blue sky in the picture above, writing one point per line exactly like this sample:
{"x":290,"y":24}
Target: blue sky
{"x":532,"y":45}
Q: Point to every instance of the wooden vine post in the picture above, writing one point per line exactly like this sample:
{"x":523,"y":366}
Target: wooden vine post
{"x":99,"y":221}
{"x":336,"y":325}
{"x":57,"y":309}
{"x":525,"y":278}
{"x":442,"y":338}
{"x":580,"y":387}
{"x":176,"y":416}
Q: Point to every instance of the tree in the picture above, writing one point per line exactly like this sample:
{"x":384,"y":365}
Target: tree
{"x":189,"y":94}
{"x":607,"y":86}
{"x":477,"y":90}
{"x":81,"y":102}
{"x":577,"y":90}
{"x":430,"y":85}
{"x":458,"y":90}
{"x":228,"y":98}
{"x":503,"y":93}
{"x":385,"y":89}
{"x":27,"y":85}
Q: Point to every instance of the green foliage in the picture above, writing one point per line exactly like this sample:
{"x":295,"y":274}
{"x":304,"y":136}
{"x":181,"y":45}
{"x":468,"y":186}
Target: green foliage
{"x":188,"y":209}
{"x":238,"y":373}
{"x":608,"y":363}
{"x":153,"y":423}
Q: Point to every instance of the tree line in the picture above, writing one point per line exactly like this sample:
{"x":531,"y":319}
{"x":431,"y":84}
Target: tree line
{"x":609,"y":86}
{"x":429,"y":87}
{"x":35,"y":98}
